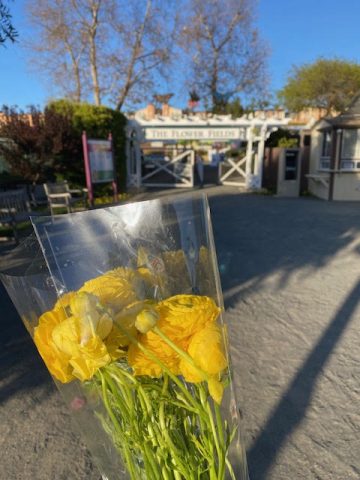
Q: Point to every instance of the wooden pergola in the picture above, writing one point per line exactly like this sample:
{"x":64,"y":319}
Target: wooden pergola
{"x":178,"y":168}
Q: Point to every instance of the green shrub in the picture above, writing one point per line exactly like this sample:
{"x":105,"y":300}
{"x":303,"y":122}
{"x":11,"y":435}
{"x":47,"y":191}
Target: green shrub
{"x":283,"y":138}
{"x":47,"y":146}
{"x":98,"y":122}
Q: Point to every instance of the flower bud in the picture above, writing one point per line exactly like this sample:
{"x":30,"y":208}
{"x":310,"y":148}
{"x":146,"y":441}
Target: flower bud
{"x":146,"y":320}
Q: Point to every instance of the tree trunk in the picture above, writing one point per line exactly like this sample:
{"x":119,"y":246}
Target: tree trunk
{"x":93,"y":53}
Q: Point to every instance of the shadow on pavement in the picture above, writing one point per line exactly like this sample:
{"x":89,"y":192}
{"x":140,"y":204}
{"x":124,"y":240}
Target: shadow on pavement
{"x":21,"y":366}
{"x":293,"y":404}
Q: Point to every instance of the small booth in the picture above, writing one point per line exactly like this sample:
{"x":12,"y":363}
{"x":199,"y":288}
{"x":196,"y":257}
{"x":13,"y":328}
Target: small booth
{"x":288,"y":181}
{"x":335,"y":156}
{"x":186,"y":150}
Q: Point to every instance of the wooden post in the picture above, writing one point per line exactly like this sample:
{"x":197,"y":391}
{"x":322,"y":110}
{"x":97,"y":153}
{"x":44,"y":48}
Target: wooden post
{"x":114,"y":182}
{"x":192,"y":162}
{"x":87,"y":170}
{"x":335,"y":159}
{"x":128,"y":158}
{"x":249,"y":147}
{"x":138,"y":162}
{"x":260,"y":157}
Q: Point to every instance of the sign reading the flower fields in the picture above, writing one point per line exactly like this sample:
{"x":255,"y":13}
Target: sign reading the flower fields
{"x":198,"y":133}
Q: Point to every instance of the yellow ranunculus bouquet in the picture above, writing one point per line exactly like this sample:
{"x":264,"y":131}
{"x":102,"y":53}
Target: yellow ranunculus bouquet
{"x":147,"y":339}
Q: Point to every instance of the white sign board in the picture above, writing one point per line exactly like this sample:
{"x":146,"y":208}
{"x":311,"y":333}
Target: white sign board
{"x":197,"y":133}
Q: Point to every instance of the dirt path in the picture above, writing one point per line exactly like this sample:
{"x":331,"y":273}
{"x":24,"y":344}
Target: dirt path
{"x":290,"y":272}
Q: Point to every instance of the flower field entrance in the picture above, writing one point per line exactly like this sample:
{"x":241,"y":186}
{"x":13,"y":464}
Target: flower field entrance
{"x":165,"y":152}
{"x":162,"y":170}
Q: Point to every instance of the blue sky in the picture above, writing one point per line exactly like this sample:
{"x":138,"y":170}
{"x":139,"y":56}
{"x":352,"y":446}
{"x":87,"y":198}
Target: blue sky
{"x":296,"y":33}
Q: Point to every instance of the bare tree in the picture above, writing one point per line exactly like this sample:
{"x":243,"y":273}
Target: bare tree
{"x":143,"y":48}
{"x":58,"y":46}
{"x":117,"y":49}
{"x":87,"y":14}
{"x":225,"y":53}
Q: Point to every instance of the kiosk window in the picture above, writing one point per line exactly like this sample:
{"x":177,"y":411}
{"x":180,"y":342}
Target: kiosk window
{"x":326,"y":145}
{"x":291,"y":161}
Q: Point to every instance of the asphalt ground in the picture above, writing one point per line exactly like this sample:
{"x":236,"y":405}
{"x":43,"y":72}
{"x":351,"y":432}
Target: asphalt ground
{"x":290,"y":274}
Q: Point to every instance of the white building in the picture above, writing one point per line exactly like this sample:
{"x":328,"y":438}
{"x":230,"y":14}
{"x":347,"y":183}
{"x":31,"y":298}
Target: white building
{"x":334,"y":172}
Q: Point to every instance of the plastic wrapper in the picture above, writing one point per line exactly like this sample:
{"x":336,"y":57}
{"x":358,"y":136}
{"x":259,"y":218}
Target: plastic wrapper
{"x":125,"y":307}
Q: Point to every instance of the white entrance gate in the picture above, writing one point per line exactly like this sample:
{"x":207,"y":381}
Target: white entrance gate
{"x":233,"y":171}
{"x":164,"y":171}
{"x":174,"y":169}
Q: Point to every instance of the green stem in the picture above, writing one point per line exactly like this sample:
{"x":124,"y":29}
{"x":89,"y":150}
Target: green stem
{"x":128,"y":459}
{"x":153,"y":357}
{"x":220,"y":429}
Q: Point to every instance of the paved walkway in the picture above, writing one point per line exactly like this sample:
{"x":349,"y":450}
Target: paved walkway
{"x":290,"y":272}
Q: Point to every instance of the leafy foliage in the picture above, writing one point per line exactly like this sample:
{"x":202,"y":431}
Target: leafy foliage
{"x":98,"y":122}
{"x":47,"y":145}
{"x":233,"y":108}
{"x":283,"y":138}
{"x":7,"y":30}
{"x":329,"y":84}
{"x":35,"y":142}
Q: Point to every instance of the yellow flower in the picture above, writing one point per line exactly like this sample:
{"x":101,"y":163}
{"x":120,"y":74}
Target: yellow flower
{"x":64,"y":301}
{"x":116,"y":288}
{"x":89,"y":359}
{"x":143,"y":364}
{"x":66,"y":336}
{"x":126,"y":319}
{"x":115,"y":344}
{"x":78,"y":345}
{"x":216,"y":389}
{"x":55,"y":360}
{"x":94,"y":320}
{"x":206,"y":348}
{"x":183,"y":315}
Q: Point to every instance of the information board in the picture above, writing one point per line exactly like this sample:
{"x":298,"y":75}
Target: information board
{"x":101,"y":161}
{"x":99,"y":164}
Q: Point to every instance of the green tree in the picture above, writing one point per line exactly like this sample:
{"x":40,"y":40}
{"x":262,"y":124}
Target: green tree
{"x":98,"y":122}
{"x":234,"y":108}
{"x":329,"y":84}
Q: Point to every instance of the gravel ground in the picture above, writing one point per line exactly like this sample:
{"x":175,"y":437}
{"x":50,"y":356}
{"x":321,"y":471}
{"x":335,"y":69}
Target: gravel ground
{"x":290,"y":274}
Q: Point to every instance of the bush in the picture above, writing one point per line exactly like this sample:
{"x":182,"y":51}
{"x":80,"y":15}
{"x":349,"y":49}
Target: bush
{"x":47,"y":146}
{"x":98,"y":122}
{"x":283,"y":138}
{"x":32,"y":143}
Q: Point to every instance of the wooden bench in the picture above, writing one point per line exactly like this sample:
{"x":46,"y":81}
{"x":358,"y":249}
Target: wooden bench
{"x":14,"y":209}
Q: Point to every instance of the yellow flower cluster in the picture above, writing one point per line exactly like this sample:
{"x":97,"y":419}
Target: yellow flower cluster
{"x":189,"y":323}
{"x":106,"y":319}
{"x":79,"y":336}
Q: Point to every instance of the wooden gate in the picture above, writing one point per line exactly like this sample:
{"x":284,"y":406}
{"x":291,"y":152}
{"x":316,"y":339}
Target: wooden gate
{"x":159,"y":170}
{"x":233,"y":171}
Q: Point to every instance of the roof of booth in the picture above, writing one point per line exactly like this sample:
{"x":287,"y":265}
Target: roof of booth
{"x":349,"y":118}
